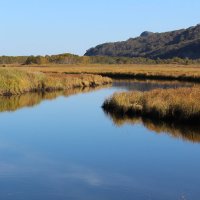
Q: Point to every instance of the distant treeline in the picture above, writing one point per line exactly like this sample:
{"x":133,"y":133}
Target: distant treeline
{"x":75,"y":59}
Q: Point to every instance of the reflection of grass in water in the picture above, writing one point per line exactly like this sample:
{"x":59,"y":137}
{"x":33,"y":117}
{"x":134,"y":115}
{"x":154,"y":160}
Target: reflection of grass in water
{"x":157,"y":82}
{"x":182,"y":131}
{"x":12,"y":103}
{"x":146,"y":85}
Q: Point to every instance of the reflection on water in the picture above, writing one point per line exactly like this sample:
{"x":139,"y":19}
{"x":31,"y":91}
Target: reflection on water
{"x":180,"y":131}
{"x":190,"y":133}
{"x":149,"y":84}
{"x":67,"y":148}
{"x":13,"y":103}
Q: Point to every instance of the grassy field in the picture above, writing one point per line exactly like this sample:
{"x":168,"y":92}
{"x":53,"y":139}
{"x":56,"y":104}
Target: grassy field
{"x":17,"y":81}
{"x":180,"y":105}
{"x":154,"y":72}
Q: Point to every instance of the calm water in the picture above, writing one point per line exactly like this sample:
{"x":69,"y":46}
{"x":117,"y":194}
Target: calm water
{"x":68,"y":148}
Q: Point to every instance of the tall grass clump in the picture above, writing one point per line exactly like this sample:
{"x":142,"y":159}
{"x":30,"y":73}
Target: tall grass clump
{"x":180,"y":105}
{"x":14,"y":81}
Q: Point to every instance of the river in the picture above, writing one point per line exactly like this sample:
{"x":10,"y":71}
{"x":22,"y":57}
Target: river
{"x":64,"y":146}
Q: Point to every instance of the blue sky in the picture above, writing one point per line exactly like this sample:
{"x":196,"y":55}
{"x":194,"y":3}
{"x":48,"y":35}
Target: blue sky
{"x":33,"y":27}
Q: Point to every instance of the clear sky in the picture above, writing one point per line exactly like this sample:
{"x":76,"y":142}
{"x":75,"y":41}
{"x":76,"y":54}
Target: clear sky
{"x":33,"y":27}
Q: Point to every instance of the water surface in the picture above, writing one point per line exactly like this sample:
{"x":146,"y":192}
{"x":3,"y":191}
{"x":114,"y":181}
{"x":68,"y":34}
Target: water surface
{"x":66,"y":147}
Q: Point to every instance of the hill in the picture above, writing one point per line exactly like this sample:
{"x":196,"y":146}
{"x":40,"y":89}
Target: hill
{"x":184,"y":43}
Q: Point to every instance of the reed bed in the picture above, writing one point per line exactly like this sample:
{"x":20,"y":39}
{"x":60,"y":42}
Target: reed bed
{"x":15,"y":81}
{"x":178,"y":105}
{"x":153,"y":72}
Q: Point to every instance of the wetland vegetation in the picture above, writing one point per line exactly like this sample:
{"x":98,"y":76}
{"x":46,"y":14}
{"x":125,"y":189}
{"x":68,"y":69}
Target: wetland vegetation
{"x":140,"y":71}
{"x":180,"y":105}
{"x":16,"y":81}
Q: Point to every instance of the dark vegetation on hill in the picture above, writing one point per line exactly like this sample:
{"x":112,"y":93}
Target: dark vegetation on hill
{"x":74,"y":59}
{"x":181,"y":46}
{"x":184,"y":43}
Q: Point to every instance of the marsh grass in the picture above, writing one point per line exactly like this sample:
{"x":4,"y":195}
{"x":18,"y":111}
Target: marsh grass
{"x":152,"y":72}
{"x":15,"y":81}
{"x":178,"y":105}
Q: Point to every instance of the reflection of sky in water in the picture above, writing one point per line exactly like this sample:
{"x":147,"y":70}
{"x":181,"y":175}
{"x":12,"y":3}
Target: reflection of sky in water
{"x":69,"y":149}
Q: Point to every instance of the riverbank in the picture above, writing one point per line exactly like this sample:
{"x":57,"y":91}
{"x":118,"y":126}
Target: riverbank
{"x":17,"y":81}
{"x":178,"y":105}
{"x":125,"y":71}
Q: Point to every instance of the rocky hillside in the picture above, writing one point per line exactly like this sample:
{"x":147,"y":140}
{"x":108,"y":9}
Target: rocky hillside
{"x":184,"y":43}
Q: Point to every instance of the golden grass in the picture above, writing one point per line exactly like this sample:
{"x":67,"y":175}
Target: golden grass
{"x":15,"y":81}
{"x":157,"y":72}
{"x":180,"y":105}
